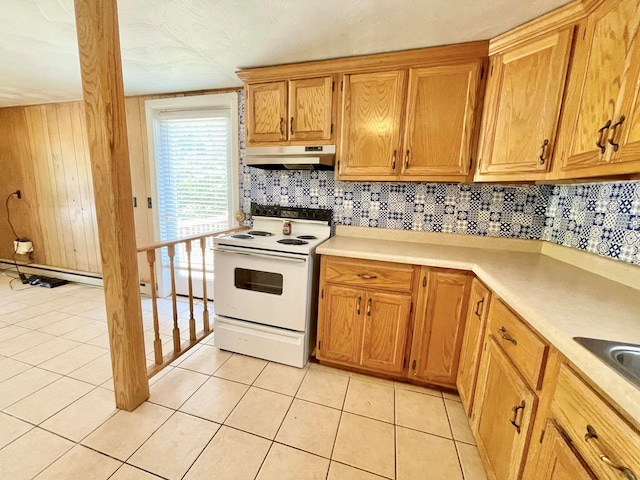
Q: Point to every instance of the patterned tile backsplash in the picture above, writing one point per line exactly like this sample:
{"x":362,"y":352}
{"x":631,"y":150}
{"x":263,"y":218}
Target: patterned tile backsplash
{"x":602,"y":218}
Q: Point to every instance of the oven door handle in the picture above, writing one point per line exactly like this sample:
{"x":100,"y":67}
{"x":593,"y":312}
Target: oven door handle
{"x":263,"y":255}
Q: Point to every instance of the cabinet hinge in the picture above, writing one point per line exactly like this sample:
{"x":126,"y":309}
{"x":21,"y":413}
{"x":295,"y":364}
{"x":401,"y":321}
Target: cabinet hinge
{"x":341,"y":84}
{"x":332,"y":128}
{"x":149,"y":203}
{"x":542,"y":436}
{"x":482,"y":73}
{"x":319,"y":344}
{"x":411,"y":308}
{"x":338,"y":165}
{"x":404,"y":363}
{"x":322,"y":293}
{"x":424,"y":281}
{"x":333,"y":86}
{"x":491,"y":73}
{"x":135,"y":202}
{"x":413,"y":365}
{"x":584,"y":34}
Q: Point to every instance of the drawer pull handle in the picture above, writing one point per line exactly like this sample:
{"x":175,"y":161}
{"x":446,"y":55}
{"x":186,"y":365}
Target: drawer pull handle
{"x":406,"y":159}
{"x":505,"y":335}
{"x":292,"y":132}
{"x":626,"y":471}
{"x":601,"y":131}
{"x":393,"y":160}
{"x":369,"y":308}
{"x":515,"y":415}
{"x":614,"y":129}
{"x":541,"y":158}
{"x":366,"y":276}
{"x":281,"y":125}
{"x":358,"y":305}
{"x":478,"y":305}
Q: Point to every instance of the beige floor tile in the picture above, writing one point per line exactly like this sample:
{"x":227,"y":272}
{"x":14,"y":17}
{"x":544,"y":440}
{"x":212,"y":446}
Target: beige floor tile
{"x":88,"y":332}
{"x":310,"y":427}
{"x":471,"y":463}
{"x":260,"y":412}
{"x":67,"y":325}
{"x":81,"y":463}
{"x":95,"y":372}
{"x":172,"y":448}
{"x":338,"y":471}
{"x":418,"y":388}
{"x":76,"y":308}
{"x":49,"y":400}
{"x":11,"y":428}
{"x":125,"y":432}
{"x":127,"y":472}
{"x":422,"y":412}
{"x":371,"y":379}
{"x":20,"y":386}
{"x":418,"y":452}
{"x":73,"y":359}
{"x":215,"y":399}
{"x":100,"y":341}
{"x":206,"y":359}
{"x":281,"y":378}
{"x":459,"y":422}
{"x":12,"y":331}
{"x":324,"y":388}
{"x":34,"y":451}
{"x":328,"y":369}
{"x":15,"y":345}
{"x":365,"y":443}
{"x":10,"y":367}
{"x":286,"y":463}
{"x":241,"y":368}
{"x":46,"y":351}
{"x":233,"y":454}
{"x":451,"y":396}
{"x":43,"y":319}
{"x":176,"y":387}
{"x":22,"y":314}
{"x":84,"y":415}
{"x":370,"y":399}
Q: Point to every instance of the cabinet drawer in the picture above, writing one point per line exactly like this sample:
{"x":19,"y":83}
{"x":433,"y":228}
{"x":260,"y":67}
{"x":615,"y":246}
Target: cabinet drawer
{"x":582,"y":413}
{"x":525,"y":349}
{"x":367,"y":273}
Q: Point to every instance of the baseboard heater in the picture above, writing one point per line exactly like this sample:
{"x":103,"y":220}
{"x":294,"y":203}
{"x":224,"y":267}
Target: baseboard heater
{"x":51,"y":277}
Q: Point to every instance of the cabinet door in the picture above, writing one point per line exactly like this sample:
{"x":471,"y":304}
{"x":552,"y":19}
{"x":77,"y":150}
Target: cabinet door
{"x":472,"y":343}
{"x":370,"y":125}
{"x":386,"y":321}
{"x":558,"y":461}
{"x":440,"y":126}
{"x":522,"y":107}
{"x":440,"y":320}
{"x":340,"y":324}
{"x":266,"y":110}
{"x":503,"y":414}
{"x":605,"y":47}
{"x":310,"y":108}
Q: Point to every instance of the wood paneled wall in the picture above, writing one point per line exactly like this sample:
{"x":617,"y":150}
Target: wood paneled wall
{"x":44,"y":153}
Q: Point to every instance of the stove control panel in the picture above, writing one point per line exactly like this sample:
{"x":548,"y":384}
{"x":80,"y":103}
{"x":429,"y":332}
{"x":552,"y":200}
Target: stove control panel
{"x":275,"y":211}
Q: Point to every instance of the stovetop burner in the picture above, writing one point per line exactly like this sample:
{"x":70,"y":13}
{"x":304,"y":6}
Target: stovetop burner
{"x":260,"y":233}
{"x":307,"y":237}
{"x":242,"y":236}
{"x":292,"y":241}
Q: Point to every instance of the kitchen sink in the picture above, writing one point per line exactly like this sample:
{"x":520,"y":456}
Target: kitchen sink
{"x":624,"y":358}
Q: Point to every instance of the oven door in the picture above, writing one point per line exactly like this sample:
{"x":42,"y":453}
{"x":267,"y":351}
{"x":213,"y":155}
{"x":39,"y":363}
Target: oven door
{"x":269,"y":288}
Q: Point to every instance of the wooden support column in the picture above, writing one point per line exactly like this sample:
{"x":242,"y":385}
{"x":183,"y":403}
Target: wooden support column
{"x":99,"y":45}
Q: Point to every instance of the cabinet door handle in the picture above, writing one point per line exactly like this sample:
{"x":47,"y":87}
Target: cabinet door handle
{"x":291,"y":125}
{"x":514,"y":418}
{"x":614,"y":129}
{"x":366,"y":276}
{"x":505,"y":335}
{"x":625,"y":471}
{"x":393,"y":159}
{"x":369,"y":308}
{"x":541,"y":158}
{"x":406,"y":159}
{"x":601,"y":132}
{"x":478,"y":305}
{"x":281,"y":125}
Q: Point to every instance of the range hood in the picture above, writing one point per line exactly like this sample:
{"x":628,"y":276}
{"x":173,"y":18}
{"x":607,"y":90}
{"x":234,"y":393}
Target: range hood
{"x":292,"y":157}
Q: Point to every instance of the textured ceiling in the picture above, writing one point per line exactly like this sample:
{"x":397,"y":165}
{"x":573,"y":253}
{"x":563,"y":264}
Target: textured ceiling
{"x":182,"y":45}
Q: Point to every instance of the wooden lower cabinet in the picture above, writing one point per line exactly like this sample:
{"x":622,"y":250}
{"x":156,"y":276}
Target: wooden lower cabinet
{"x":439,"y":326}
{"x":504,"y":410}
{"x":340,"y":324}
{"x":559,"y":461}
{"x":472,"y":343}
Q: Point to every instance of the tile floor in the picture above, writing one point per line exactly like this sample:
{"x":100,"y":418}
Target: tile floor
{"x":211,"y":415}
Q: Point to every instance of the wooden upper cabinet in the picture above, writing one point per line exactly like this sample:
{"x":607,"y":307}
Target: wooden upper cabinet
{"x":601,"y":106}
{"x":386,"y":323}
{"x":289,"y":112}
{"x":439,"y":326}
{"x":440,"y":126}
{"x":266,"y":112}
{"x":372,"y":106}
{"x":522,"y":107}
{"x":310,"y":108}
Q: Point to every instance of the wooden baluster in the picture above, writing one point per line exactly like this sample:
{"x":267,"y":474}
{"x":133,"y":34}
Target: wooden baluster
{"x":192,"y":320}
{"x":174,"y":300}
{"x":157,"y":343}
{"x":205,"y":310}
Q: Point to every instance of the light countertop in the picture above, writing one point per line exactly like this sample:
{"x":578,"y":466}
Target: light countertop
{"x":559,"y":300}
